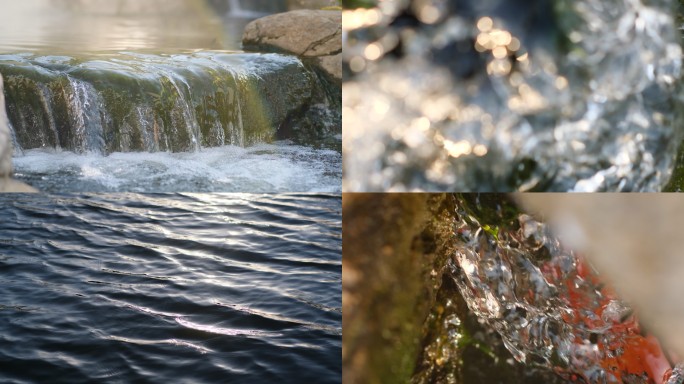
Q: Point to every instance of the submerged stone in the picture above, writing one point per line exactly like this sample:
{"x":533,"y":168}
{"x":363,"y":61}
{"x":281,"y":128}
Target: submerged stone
{"x":634,"y":239}
{"x":550,"y":306}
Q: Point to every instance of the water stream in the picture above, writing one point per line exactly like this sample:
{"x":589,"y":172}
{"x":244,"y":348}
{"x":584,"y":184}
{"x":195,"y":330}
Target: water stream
{"x":553,"y":95}
{"x":549,"y":305}
{"x":96,"y":78}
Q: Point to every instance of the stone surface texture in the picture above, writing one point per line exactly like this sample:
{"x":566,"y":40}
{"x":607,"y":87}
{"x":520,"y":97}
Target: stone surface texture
{"x":315,"y":34}
{"x":5,"y":138}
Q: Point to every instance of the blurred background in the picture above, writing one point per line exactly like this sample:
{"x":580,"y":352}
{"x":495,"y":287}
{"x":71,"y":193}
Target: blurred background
{"x":102,"y":25}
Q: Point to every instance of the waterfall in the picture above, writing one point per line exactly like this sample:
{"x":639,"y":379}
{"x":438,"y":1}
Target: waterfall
{"x":176,"y":103}
{"x":236,"y":10}
{"x":86,"y":117}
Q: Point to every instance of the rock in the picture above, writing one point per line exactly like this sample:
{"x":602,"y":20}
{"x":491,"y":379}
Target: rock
{"x":386,"y":284}
{"x":239,"y":99}
{"x":303,"y":33}
{"x":332,"y":65}
{"x":6,"y":183}
{"x":5,"y":138}
{"x":13,"y":186}
{"x":397,"y":295}
{"x":316,"y":37}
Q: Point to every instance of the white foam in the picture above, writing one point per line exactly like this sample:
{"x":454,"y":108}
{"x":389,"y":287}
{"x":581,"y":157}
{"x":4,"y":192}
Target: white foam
{"x":263,"y":168}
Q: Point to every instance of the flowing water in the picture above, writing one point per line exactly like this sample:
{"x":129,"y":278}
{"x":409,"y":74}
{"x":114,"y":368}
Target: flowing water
{"x":549,"y":305}
{"x":560,"y":95}
{"x":97,"y":77}
{"x":170,"y":288}
{"x":262,"y":168}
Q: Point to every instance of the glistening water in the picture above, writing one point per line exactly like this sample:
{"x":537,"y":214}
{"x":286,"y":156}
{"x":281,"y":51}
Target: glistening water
{"x":549,"y":305}
{"x":558,"y":95}
{"x":263,"y":168}
{"x":170,"y":288}
{"x":112,"y":25}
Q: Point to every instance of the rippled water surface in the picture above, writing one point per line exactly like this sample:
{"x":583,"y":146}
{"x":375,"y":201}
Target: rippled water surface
{"x":170,"y":288}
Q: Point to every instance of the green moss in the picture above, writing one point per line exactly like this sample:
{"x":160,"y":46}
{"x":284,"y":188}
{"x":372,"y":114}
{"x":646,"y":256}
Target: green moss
{"x":165,"y":104}
{"x":121,"y":131}
{"x":398,"y":242}
{"x":676,"y":183}
{"x":25,"y":100}
{"x":351,"y":4}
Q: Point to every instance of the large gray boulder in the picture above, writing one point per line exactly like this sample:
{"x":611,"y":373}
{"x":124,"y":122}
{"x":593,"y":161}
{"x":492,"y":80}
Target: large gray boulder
{"x":310,"y":34}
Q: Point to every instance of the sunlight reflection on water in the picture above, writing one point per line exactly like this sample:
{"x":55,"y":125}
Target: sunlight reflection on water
{"x":111,"y":25}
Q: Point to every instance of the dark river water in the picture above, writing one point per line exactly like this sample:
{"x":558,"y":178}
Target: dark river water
{"x":170,"y":288}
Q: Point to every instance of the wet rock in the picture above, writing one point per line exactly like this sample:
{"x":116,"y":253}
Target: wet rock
{"x":132,"y":103}
{"x":305,"y":33}
{"x":5,"y":138}
{"x":6,"y":183}
{"x":404,"y":319}
{"x":386,"y":284}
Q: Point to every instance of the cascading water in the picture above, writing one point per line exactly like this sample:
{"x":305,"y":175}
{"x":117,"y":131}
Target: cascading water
{"x":140,"y":87}
{"x":137,"y":102}
{"x":236,"y":9}
{"x":547,"y":303}
{"x":561,"y":95}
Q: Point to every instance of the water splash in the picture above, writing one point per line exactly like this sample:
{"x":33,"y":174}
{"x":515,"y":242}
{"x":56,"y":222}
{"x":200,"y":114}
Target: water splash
{"x":496,"y":96}
{"x":237,"y":9}
{"x":547,"y":303}
{"x":263,"y":168}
